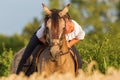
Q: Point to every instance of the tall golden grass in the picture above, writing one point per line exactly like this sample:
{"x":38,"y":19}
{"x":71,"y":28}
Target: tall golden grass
{"x":90,"y":74}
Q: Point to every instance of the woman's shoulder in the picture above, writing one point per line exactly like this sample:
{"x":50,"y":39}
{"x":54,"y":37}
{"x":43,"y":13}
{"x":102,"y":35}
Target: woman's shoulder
{"x":76,"y":24}
{"x":73,"y":21}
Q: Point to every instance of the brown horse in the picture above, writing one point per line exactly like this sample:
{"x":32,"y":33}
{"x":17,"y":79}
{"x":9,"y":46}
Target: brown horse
{"x":56,"y":57}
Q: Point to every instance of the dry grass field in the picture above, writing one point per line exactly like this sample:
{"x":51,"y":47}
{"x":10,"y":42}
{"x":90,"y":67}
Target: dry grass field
{"x":89,"y":74}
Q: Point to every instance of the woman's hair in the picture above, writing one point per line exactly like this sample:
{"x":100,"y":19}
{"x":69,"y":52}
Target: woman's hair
{"x":67,"y":16}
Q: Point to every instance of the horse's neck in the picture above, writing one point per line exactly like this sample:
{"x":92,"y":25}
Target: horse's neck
{"x":64,"y":47}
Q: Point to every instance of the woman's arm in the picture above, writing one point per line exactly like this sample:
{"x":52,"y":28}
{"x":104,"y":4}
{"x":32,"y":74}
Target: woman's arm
{"x":78,"y":32}
{"x":72,"y":42}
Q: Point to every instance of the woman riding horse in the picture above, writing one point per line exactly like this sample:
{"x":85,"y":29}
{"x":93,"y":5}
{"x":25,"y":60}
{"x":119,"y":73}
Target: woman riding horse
{"x":74,"y":34}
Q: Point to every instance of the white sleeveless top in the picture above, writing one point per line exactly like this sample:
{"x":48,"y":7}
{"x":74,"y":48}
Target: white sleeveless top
{"x":76,"y":33}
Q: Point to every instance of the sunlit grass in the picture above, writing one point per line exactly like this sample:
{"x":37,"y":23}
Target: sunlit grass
{"x":90,"y":74}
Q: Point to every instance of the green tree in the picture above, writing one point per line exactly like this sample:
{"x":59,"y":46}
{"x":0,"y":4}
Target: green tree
{"x":103,"y":42}
{"x":5,"y":61}
{"x":54,"y":4}
{"x":14,"y":42}
{"x":118,"y":8}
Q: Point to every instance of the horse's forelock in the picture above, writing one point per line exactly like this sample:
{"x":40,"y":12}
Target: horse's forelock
{"x":55,"y":23}
{"x":55,"y":18}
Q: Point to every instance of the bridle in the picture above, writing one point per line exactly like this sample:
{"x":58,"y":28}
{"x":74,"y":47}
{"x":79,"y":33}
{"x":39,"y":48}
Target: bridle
{"x":57,"y":42}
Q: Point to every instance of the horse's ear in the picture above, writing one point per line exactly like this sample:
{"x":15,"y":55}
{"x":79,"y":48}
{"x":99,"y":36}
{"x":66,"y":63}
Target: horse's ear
{"x":65,"y":10}
{"x":47,"y":11}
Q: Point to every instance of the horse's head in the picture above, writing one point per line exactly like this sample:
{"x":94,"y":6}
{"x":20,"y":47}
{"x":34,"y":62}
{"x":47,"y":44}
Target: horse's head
{"x":55,"y":28}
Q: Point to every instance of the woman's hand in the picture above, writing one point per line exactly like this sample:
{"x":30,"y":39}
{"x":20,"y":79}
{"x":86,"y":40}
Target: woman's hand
{"x":68,"y":45}
{"x":42,"y":39}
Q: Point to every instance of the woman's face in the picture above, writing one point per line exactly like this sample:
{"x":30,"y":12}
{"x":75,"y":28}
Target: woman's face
{"x":69,"y":26}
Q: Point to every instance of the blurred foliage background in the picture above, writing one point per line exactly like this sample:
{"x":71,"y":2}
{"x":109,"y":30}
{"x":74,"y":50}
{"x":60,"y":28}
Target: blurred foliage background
{"x":100,"y":19}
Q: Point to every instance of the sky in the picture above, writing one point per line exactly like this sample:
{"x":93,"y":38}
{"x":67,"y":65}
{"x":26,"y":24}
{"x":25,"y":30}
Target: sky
{"x":15,"y":14}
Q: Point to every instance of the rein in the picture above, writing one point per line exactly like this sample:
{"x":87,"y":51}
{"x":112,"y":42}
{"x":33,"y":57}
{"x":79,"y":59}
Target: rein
{"x":58,"y":55}
{"x":61,"y":52}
